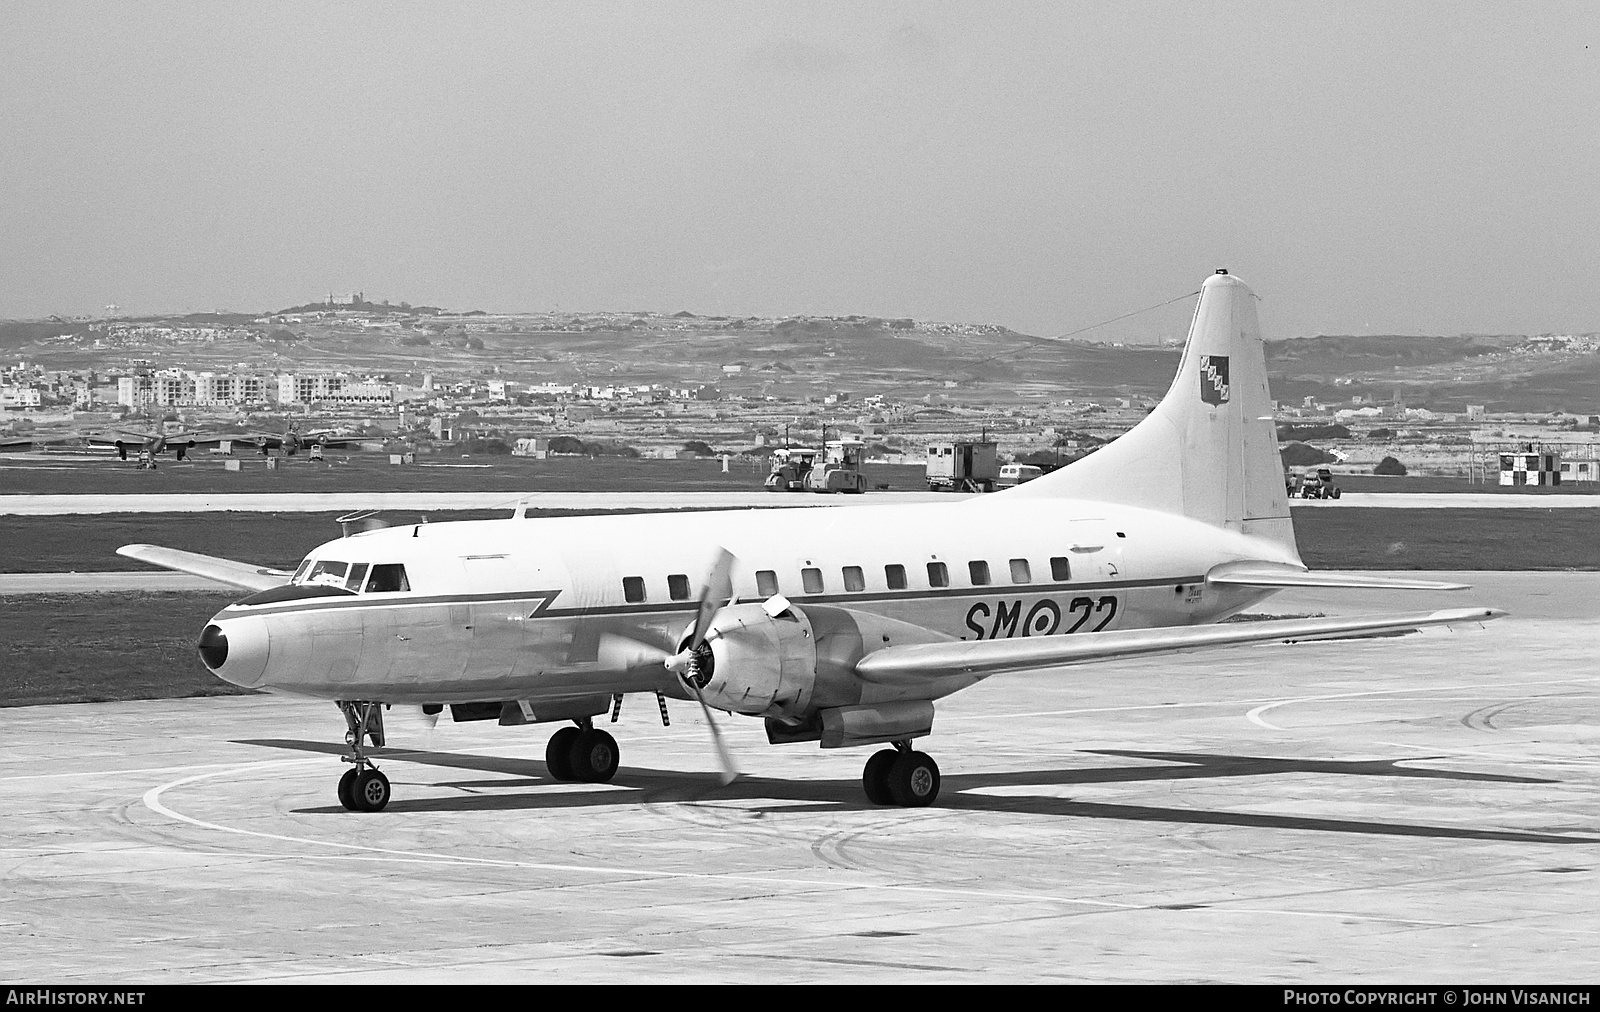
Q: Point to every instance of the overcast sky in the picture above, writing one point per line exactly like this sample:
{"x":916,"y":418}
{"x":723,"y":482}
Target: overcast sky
{"x":1367,"y":168}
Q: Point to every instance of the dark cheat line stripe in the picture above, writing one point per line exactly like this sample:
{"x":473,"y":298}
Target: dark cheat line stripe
{"x":546,"y":597}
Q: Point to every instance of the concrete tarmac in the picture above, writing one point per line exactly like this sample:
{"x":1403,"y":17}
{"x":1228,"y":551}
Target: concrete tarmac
{"x":1415,"y":809}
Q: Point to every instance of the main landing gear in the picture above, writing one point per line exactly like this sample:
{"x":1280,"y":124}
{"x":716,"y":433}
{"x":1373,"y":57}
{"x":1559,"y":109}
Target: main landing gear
{"x":583,"y":753}
{"x":363,"y":788}
{"x":901,"y":776}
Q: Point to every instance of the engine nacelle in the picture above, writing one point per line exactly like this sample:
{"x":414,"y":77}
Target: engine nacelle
{"x":778,"y":660}
{"x":759,"y":663}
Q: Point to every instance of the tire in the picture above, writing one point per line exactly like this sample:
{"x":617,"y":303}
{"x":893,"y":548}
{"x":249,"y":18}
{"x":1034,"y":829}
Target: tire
{"x":875,"y":777}
{"x":914,"y":780}
{"x":558,"y":754}
{"x":370,"y":791}
{"x":1336,"y":493}
{"x":593,"y":757}
{"x":347,"y":783}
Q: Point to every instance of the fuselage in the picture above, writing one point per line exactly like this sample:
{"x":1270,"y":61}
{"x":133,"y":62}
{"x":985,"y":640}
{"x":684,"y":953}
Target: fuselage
{"x":525,"y":608}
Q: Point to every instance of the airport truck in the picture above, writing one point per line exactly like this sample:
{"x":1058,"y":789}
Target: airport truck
{"x":798,"y":469}
{"x":963,"y":466}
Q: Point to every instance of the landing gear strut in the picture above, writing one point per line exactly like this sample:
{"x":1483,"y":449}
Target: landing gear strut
{"x":583,"y":753}
{"x":363,"y":788}
{"x":901,"y":776}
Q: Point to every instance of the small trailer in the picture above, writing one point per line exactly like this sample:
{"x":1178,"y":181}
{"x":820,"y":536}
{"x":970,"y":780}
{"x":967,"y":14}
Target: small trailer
{"x":964,"y":466}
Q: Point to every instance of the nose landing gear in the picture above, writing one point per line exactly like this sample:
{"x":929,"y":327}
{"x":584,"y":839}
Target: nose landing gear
{"x":363,"y":788}
{"x":901,"y":776}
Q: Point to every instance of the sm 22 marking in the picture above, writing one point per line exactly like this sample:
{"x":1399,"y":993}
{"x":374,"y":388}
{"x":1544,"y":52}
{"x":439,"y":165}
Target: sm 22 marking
{"x":1045,"y":618}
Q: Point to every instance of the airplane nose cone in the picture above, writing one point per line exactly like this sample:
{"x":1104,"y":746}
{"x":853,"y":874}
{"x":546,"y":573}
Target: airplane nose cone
{"x":235,"y":649}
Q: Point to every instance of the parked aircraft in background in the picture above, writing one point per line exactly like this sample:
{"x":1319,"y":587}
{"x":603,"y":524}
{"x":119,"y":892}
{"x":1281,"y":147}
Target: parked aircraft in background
{"x":146,"y":444}
{"x":291,"y":440}
{"x":840,"y":626}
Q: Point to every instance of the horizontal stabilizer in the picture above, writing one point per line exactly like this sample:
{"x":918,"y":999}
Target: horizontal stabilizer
{"x":234,"y":574}
{"x":1277,"y":575}
{"x":915,"y":663}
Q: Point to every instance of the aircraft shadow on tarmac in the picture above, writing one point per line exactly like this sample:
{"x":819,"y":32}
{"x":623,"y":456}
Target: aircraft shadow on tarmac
{"x":636,"y":785}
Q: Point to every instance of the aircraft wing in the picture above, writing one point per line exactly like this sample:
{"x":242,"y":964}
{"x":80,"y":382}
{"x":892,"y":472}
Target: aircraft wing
{"x":1278,"y":575}
{"x":234,"y":574}
{"x":912,"y":664}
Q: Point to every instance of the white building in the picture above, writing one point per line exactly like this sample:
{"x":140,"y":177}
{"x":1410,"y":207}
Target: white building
{"x":18,"y":396}
{"x":134,"y":391}
{"x":303,"y":388}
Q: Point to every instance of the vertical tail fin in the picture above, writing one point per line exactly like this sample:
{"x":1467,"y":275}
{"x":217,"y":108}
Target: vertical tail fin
{"x":1209,"y":450}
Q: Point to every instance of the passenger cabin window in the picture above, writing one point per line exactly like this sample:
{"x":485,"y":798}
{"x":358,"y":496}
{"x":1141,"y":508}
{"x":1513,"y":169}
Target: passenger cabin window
{"x":895,"y":576}
{"x":678,"y":587}
{"x":1060,"y":569}
{"x":853,"y":580}
{"x":979,"y":571}
{"x":766,"y":582}
{"x":327,"y":574}
{"x":1020,"y":573}
{"x":633,"y":589}
{"x":811,"y":580}
{"x":358,"y":574}
{"x":388,"y":578}
{"x":938,"y":575}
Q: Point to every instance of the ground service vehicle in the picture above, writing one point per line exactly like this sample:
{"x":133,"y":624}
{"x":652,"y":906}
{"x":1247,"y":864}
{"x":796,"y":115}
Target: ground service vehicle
{"x":963,"y":467}
{"x":790,"y":465}
{"x":1317,"y":483}
{"x":840,"y":470}
{"x":1012,"y":475}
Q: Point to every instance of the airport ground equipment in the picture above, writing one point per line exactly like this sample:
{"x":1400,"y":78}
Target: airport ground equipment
{"x":790,"y":465}
{"x":1012,"y":475}
{"x":963,"y":466}
{"x":840,"y":469}
{"x":1315,"y":483}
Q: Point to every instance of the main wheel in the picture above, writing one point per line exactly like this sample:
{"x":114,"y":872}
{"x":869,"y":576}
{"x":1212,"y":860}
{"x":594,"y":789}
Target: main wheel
{"x":347,"y":784}
{"x":593,"y":756}
{"x":558,"y":754}
{"x":875,"y":777}
{"x":1336,"y":493}
{"x":914,"y":780}
{"x":370,"y":791}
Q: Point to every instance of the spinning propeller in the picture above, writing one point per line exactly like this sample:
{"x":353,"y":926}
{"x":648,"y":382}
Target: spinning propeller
{"x":692,"y":664}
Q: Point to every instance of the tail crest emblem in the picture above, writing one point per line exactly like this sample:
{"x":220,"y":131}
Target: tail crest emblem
{"x":1214,"y":379}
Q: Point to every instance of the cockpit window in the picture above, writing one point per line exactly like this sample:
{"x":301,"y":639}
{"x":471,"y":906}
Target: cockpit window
{"x":299,"y":574}
{"x":358,"y":573}
{"x":327,"y":573}
{"x":388,"y":578}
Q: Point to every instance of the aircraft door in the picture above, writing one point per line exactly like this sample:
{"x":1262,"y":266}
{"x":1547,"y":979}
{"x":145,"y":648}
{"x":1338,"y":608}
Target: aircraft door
{"x":1094,"y":548}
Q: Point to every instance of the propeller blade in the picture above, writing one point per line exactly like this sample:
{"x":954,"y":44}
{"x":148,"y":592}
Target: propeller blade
{"x":716,"y":592}
{"x":730,"y":772}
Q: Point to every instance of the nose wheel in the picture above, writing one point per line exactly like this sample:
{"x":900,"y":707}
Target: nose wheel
{"x":901,"y":776}
{"x":363,"y":788}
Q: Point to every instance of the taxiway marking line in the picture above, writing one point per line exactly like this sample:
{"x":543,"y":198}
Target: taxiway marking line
{"x":152,"y":800}
{"x":1254,"y":716}
{"x":949,"y":718}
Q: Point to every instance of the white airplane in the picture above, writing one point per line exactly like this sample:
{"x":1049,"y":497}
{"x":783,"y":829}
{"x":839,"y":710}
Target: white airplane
{"x":840,"y":626}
